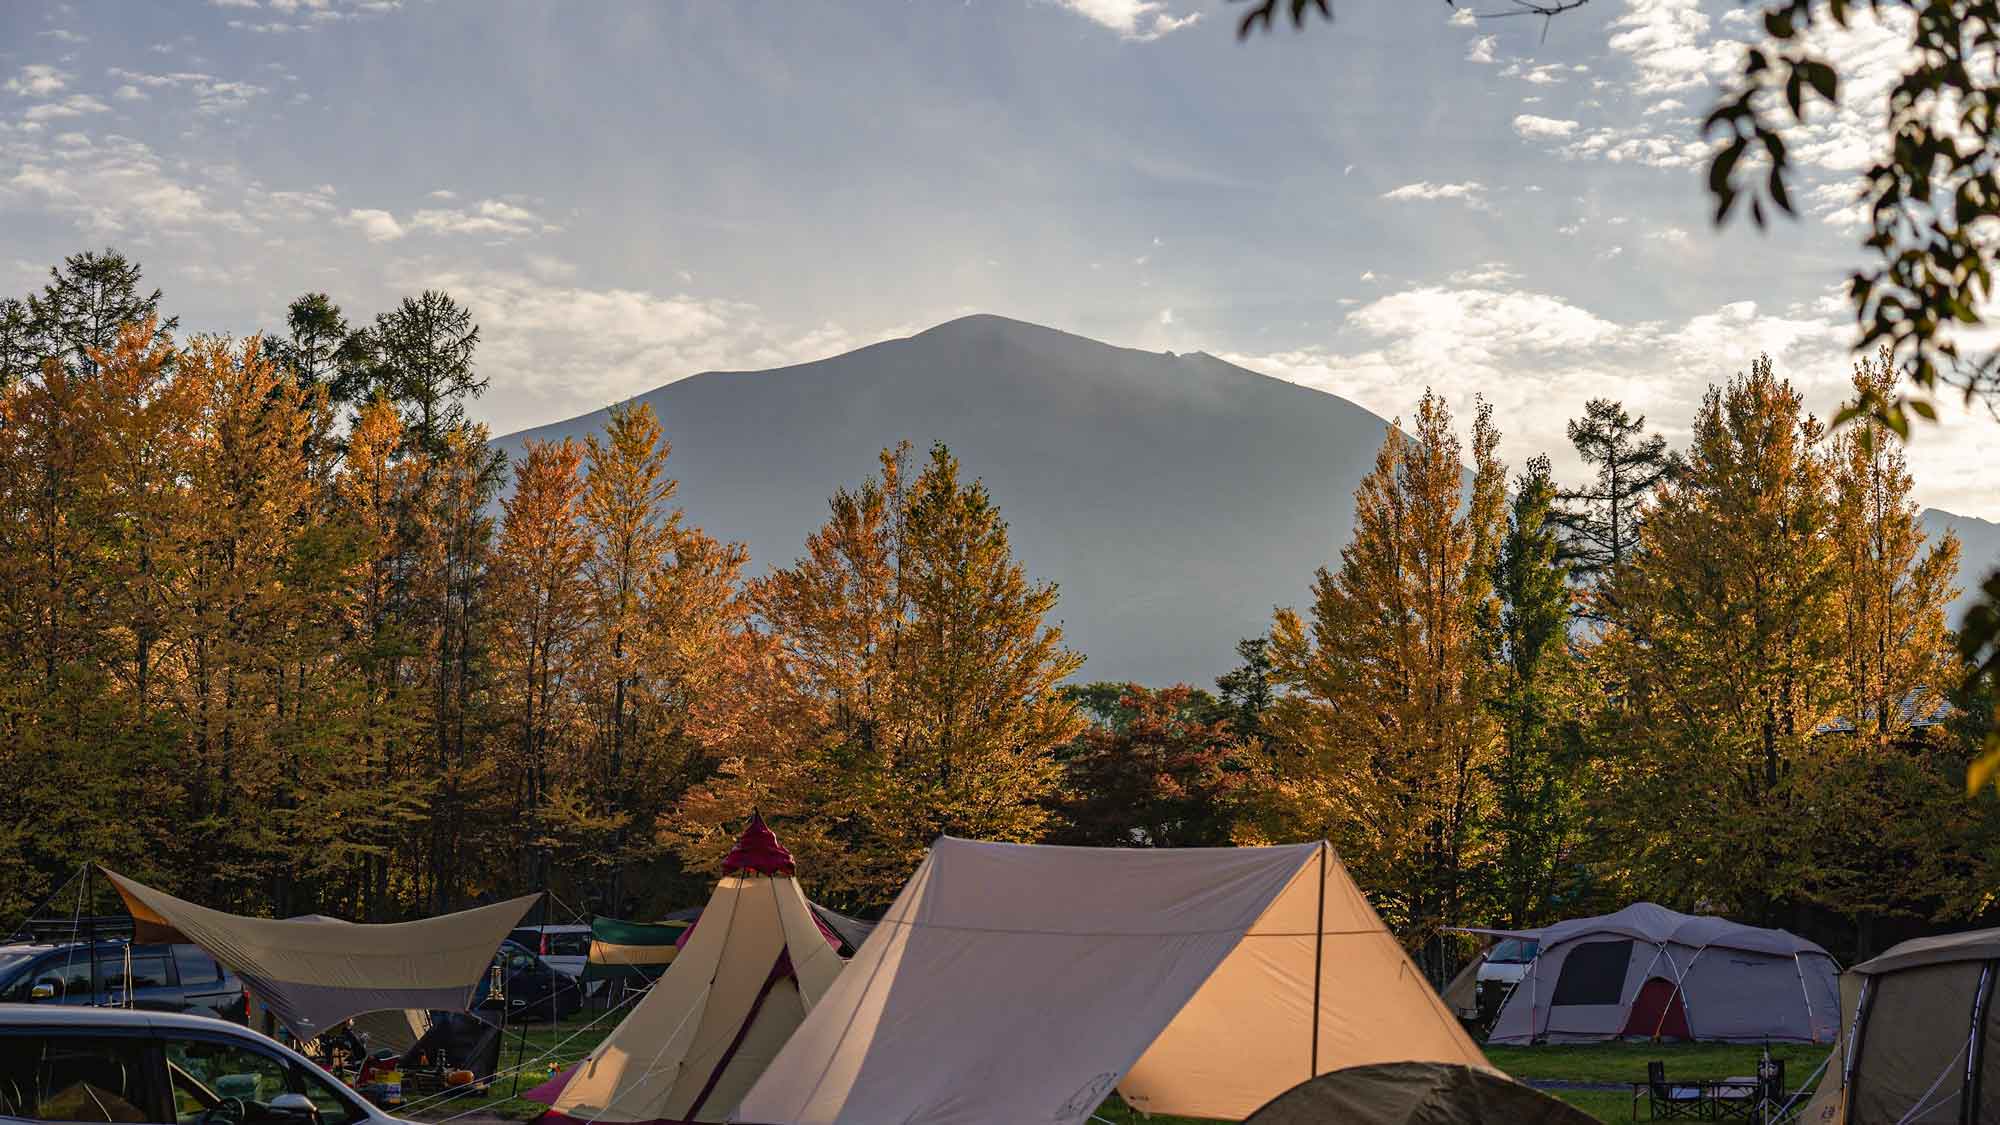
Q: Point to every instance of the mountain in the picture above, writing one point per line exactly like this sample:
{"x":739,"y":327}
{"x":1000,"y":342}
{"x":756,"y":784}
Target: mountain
{"x":1979,"y":551}
{"x":1174,"y":499}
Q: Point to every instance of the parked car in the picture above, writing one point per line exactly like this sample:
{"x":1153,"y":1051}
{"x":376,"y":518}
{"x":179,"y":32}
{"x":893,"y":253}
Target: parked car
{"x":566,"y":948}
{"x":62,"y":1063}
{"x":1505,"y":966}
{"x":530,"y":988}
{"x":162,"y":978}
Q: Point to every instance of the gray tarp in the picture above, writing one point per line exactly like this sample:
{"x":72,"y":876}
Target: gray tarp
{"x":1414,"y":1093}
{"x":312,"y":973}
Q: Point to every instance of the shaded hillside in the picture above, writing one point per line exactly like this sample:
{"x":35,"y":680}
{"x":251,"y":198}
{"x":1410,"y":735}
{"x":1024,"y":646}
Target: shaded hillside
{"x":1176,"y":499}
{"x":1979,"y":542}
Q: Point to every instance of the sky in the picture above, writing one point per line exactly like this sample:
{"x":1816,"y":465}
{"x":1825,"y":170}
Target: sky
{"x":628,"y":193}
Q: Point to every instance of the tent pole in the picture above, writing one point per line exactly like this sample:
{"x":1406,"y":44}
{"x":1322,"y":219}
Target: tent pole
{"x":1319,"y":951}
{"x":521,"y":1041}
{"x":90,"y":930}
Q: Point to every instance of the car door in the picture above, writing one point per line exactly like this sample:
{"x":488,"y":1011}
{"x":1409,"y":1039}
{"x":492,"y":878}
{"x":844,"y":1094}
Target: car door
{"x":204,"y":987}
{"x":142,"y":976}
{"x":93,"y":1075}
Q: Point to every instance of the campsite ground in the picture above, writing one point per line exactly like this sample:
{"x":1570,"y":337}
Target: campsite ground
{"x":1609,"y":1067}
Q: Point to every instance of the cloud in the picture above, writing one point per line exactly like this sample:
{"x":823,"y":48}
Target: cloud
{"x":37,"y":81}
{"x":1665,"y":41}
{"x":63,"y":35}
{"x":1486,"y":275}
{"x":374,"y":225}
{"x":1546,"y":75}
{"x":1470,"y":193}
{"x":1533,"y":125}
{"x":76,"y":105}
{"x":564,"y":349}
{"x":212,"y":95}
{"x":1140,"y":20}
{"x":1481,"y":50}
{"x":488,"y":217}
{"x":109,"y":185}
{"x":1462,"y":17}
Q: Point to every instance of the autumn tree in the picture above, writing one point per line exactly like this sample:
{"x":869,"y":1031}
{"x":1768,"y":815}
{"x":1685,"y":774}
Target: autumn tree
{"x":1385,"y":734}
{"x":1155,"y":768}
{"x":907,"y":686}
{"x":1722,"y":647}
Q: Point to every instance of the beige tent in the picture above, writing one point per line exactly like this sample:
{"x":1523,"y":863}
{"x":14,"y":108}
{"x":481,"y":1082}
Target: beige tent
{"x":1919,"y":1037}
{"x":1012,"y":982}
{"x":753,"y":967}
{"x":312,"y":973}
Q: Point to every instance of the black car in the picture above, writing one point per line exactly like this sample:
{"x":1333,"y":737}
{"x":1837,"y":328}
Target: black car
{"x":158,"y":978}
{"x":530,"y":988}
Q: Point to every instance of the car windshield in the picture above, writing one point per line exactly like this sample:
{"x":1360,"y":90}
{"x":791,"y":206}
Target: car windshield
{"x":1513,"y":951}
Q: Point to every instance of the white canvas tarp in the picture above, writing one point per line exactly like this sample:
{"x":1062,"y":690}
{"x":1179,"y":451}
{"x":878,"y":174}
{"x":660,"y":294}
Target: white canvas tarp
{"x":315,"y":972}
{"x":1022,"y":983}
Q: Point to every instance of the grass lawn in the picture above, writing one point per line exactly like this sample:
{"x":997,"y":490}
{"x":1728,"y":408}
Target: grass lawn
{"x":1596,"y":1063}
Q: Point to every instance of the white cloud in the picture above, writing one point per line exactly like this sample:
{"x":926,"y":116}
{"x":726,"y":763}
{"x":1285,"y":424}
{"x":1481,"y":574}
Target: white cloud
{"x":1132,"y":19}
{"x":1462,"y":17}
{"x":1534,"y":125}
{"x":76,"y":105}
{"x":374,"y":225}
{"x":1486,"y":275}
{"x":109,"y":185}
{"x":63,"y":35}
{"x":1481,"y":50}
{"x":489,"y":217}
{"x":563,"y":349}
{"x":1470,"y":193}
{"x":129,"y":93}
{"x":1545,"y":75}
{"x":234,"y":3}
{"x":38,"y":81}
{"x":1665,"y":39}
{"x":1538,"y":358}
{"x":444,"y":195}
{"x":212,"y":95}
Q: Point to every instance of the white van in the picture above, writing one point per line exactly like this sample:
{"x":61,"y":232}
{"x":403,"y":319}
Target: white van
{"x":121,"y":1064}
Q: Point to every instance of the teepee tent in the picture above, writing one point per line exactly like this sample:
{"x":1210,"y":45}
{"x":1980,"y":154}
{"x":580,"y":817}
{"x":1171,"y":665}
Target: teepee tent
{"x":1014,"y":982}
{"x":1647,"y":972}
{"x":732,"y":996}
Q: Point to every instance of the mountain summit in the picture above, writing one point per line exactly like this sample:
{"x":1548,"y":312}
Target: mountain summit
{"x":1176,"y":499}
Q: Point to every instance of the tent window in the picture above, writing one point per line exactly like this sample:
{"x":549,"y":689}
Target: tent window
{"x":1593,"y":973}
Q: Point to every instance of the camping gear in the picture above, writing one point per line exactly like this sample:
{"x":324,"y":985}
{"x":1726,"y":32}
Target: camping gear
{"x":1647,"y":972}
{"x":745,"y":979}
{"x":1917,"y":1037}
{"x":314,"y":972}
{"x":1014,"y":982}
{"x":1416,"y":1093}
{"x":454,"y":1041}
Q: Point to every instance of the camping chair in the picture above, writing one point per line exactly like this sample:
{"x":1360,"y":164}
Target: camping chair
{"x":1664,"y":1102}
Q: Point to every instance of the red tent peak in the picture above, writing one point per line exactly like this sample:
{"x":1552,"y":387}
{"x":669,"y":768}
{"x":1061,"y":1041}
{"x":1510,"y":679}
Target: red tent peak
{"x":758,"y":850}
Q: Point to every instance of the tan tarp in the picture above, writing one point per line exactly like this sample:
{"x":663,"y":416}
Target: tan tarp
{"x":1416,"y":1094}
{"x":717,"y":1016}
{"x":1013,"y":982}
{"x":315,"y":972}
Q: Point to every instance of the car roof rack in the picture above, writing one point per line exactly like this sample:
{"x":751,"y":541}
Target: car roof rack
{"x":76,"y":928}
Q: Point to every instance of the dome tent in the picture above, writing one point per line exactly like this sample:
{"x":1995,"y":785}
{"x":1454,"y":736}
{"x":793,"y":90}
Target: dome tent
{"x":1918,"y":1037}
{"x":1653,"y":973}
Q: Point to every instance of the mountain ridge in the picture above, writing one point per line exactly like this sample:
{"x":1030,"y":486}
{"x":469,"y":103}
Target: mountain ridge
{"x":1175,"y":500}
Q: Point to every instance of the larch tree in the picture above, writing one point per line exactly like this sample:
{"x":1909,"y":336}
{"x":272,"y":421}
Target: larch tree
{"x":88,"y":300}
{"x":628,"y":512}
{"x":541,"y":602}
{"x":910,"y":687}
{"x":1722,"y":649}
{"x":1384,"y":735}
